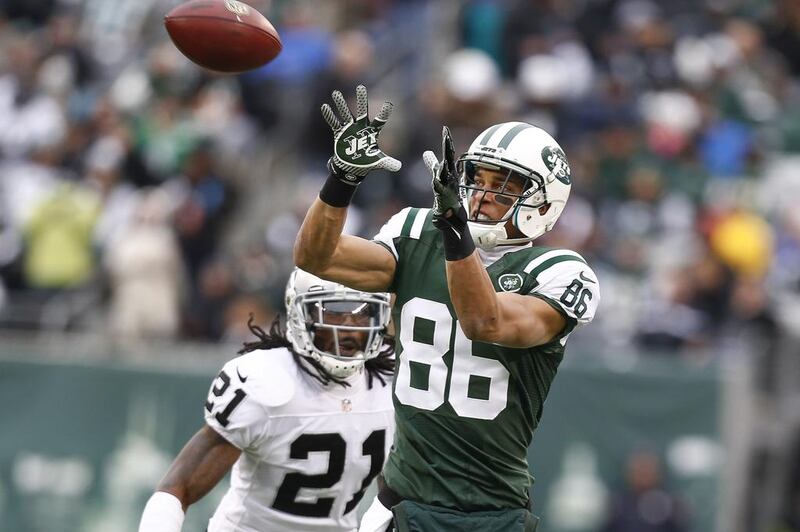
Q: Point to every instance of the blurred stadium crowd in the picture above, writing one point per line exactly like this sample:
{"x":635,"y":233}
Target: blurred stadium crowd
{"x":143,"y":197}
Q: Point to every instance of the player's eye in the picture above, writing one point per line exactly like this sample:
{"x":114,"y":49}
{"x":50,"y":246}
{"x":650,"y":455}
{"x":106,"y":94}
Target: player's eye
{"x":492,"y":185}
{"x":517,"y":184}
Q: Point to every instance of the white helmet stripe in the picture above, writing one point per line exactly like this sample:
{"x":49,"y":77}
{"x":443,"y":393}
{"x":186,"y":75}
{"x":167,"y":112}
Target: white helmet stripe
{"x":521,"y":140}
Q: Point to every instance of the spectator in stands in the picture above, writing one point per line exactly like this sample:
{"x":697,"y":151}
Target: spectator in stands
{"x":204,"y":199}
{"x":58,"y":239}
{"x":205,"y":312}
{"x":29,"y":118}
{"x":644,"y":504}
{"x":146,"y":274}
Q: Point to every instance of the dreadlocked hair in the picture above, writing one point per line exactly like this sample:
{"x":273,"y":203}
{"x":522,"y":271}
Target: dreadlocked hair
{"x":275,"y":338}
{"x":382,"y":365}
{"x":377,"y":368}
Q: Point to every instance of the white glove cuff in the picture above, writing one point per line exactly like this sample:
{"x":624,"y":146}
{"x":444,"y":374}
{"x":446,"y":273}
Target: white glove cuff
{"x":162,"y":513}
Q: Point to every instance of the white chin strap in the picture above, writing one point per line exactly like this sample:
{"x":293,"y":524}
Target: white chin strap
{"x":487,"y":237}
{"x":339,"y":367}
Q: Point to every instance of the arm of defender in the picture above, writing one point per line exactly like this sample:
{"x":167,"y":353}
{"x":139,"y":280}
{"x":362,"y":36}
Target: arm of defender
{"x":322,"y":249}
{"x":201,"y":464}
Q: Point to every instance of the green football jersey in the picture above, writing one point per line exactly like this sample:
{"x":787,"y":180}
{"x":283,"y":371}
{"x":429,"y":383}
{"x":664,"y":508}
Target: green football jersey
{"x":465,"y":410}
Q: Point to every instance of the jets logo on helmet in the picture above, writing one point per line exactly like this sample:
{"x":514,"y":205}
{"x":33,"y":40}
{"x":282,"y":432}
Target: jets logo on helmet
{"x":556,"y":161}
{"x":529,"y":154}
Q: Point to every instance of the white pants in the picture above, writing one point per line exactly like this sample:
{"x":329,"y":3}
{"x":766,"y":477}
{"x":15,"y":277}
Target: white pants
{"x":377,"y":518}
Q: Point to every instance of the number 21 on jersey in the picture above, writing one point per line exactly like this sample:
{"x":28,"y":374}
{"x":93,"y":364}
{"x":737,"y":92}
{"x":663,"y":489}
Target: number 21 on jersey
{"x":425,"y":330}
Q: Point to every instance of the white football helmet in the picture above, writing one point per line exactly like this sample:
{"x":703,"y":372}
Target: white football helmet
{"x":322,"y":317}
{"x":530,"y":153}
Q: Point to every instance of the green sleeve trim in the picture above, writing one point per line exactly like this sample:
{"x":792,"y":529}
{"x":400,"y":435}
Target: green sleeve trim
{"x":410,"y":217}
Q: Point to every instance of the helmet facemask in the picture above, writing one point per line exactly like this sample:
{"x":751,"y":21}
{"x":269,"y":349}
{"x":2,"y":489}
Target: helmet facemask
{"x":341,"y":328}
{"x":522,"y":191}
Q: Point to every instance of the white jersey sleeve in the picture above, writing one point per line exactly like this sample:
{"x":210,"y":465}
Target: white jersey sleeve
{"x":392,"y":230}
{"x":238,"y":402}
{"x":565,"y":280}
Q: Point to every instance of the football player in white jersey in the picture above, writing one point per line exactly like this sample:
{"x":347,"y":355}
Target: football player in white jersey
{"x":304,"y":417}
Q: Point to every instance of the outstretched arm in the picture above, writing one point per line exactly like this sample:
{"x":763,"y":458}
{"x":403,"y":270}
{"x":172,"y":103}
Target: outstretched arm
{"x":201,"y":464}
{"x":320,"y":247}
{"x":323,"y":250}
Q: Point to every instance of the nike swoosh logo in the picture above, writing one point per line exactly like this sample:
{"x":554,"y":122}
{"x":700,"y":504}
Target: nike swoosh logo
{"x":243,"y":379}
{"x":582,"y":277}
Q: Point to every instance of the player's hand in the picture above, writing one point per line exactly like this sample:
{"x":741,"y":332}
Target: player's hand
{"x":447,"y":200}
{"x":355,"y":140}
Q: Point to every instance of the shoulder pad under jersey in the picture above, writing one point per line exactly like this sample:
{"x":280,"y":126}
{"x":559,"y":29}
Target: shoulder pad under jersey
{"x":269,"y":376}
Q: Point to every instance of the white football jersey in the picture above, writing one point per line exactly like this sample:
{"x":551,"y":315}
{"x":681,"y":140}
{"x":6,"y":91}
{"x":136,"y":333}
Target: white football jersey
{"x":308,"y":451}
{"x":564,"y":278}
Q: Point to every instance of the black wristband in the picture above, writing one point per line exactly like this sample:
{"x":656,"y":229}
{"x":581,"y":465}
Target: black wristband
{"x":336,"y":192}
{"x":458,"y":243}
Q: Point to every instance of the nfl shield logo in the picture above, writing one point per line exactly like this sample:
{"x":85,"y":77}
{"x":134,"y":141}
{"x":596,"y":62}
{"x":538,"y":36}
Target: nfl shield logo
{"x":510,"y":282}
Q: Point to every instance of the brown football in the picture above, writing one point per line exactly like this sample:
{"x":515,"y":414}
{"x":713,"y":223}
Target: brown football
{"x":223,"y":35}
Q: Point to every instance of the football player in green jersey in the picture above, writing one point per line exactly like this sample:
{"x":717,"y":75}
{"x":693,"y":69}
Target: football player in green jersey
{"x":481,"y":314}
